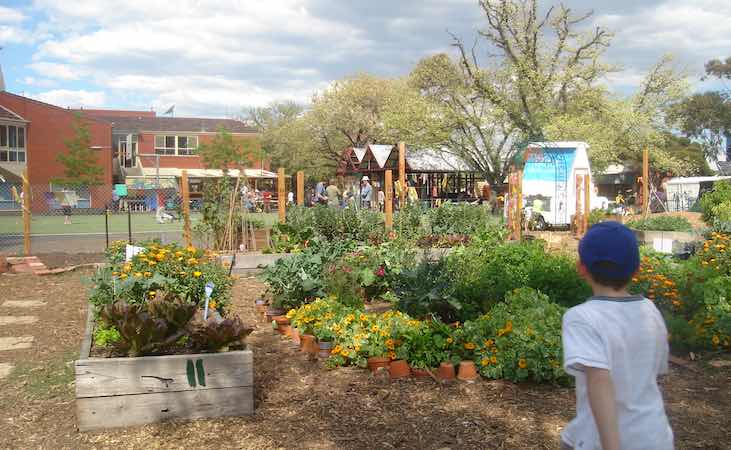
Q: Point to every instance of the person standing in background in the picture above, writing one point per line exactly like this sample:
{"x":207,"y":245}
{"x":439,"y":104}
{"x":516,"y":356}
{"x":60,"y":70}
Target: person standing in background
{"x":332,"y":195}
{"x":320,"y":195}
{"x":366,"y":192}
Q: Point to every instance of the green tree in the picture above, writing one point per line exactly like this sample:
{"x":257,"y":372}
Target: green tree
{"x":81,"y":166}
{"x":224,"y":152}
{"x":706,"y":116}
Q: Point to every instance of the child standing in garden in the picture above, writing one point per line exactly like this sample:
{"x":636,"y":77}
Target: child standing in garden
{"x":615,"y":345}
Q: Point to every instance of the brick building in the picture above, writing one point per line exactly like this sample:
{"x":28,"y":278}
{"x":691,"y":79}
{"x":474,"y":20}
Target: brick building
{"x":136,"y":148}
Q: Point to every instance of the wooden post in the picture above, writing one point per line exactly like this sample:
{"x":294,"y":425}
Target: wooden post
{"x":587,"y":203}
{"x":509,"y":203}
{"x":26,"y":214}
{"x":185,"y":207}
{"x":402,"y":173}
{"x":577,"y":215}
{"x":300,"y":188}
{"x":518,"y":204}
{"x":282,"y":196}
{"x":646,"y":182}
{"x":388,"y":198}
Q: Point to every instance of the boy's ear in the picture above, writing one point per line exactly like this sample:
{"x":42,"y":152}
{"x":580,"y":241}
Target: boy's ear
{"x":582,"y":270}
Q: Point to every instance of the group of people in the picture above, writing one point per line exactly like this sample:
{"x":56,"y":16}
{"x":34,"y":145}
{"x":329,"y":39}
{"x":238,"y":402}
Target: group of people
{"x":367,"y":197}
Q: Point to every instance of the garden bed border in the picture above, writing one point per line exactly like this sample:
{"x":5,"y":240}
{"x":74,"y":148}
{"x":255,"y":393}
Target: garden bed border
{"x":121,"y":392}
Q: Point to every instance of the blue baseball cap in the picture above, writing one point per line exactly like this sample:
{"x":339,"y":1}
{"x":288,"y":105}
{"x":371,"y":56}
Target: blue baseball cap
{"x":610,"y":242}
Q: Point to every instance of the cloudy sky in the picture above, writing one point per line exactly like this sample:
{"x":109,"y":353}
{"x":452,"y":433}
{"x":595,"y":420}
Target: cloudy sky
{"x":217,"y":57}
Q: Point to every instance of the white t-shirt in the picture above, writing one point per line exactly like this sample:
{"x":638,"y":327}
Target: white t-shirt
{"x":628,"y":337}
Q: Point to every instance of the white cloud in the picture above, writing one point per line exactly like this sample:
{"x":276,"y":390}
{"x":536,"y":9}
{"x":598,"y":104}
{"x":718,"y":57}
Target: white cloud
{"x":8,"y":15}
{"x":55,"y":70}
{"x":72,"y":98}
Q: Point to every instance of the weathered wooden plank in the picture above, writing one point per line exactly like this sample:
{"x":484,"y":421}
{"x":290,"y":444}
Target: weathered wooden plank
{"x":128,"y":410}
{"x":97,"y":377}
{"x":88,"y":333}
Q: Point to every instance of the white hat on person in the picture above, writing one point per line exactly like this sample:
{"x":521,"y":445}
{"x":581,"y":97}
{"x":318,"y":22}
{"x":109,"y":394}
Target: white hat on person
{"x":365,"y":178}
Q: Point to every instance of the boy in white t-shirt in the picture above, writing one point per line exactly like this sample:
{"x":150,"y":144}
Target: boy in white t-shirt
{"x":615,"y":345}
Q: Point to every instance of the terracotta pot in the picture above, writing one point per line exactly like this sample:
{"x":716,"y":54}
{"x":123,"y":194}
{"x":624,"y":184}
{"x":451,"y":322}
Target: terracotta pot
{"x":378,"y":361}
{"x":399,"y":369}
{"x":467,"y":371}
{"x":271,"y":312}
{"x":445,"y":371}
{"x":281,"y":322}
{"x":296,"y":337}
{"x":285,"y":330}
{"x":260,"y":305}
{"x":420,"y":373}
{"x":309,"y":344}
{"x":325,"y":349}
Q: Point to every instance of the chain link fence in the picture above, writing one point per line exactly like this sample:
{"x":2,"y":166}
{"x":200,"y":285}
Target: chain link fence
{"x":86,"y":220}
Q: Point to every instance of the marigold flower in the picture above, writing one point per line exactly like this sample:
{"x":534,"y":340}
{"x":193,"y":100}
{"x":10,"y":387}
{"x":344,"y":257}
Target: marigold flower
{"x":123,"y":276}
{"x":212,"y":304}
{"x":484,"y":361}
{"x":488,"y":342}
{"x":450,"y":340}
{"x":469,"y":346}
{"x":716,"y":340}
{"x":197,"y":273}
{"x":522,"y":363}
{"x":493,"y":359}
{"x":147,"y":274}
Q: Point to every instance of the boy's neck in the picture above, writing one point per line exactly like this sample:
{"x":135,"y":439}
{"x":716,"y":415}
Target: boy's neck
{"x":606,"y":291}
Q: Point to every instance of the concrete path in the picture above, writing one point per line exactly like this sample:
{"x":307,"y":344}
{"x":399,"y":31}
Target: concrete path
{"x":11,"y":325}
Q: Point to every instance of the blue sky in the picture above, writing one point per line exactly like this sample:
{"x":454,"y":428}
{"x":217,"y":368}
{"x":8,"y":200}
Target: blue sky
{"x":218,"y":57}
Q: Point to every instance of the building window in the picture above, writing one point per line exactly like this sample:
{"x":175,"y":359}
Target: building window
{"x":187,"y":145}
{"x":176,"y":145}
{"x":12,"y":143}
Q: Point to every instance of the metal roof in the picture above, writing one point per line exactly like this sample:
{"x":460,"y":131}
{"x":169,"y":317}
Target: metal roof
{"x":693,"y":180}
{"x":436,"y":161}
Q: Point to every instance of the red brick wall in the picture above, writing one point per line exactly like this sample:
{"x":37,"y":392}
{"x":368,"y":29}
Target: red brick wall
{"x":49,"y":127}
{"x":146,"y":145}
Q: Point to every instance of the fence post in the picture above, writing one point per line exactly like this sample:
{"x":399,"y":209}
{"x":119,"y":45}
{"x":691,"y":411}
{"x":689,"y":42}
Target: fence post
{"x":577,"y":214}
{"x":402,"y":173}
{"x":300,"y":188}
{"x":388,"y":195}
{"x":645,"y":182}
{"x":106,"y":226}
{"x":185,"y":207}
{"x":129,"y":224}
{"x":281,"y":196}
{"x":587,"y":203}
{"x":519,"y":204}
{"x":26,"y":214}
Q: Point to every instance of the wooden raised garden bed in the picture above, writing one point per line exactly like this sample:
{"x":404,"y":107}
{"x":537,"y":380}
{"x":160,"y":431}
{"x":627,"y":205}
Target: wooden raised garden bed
{"x":120,"y":392}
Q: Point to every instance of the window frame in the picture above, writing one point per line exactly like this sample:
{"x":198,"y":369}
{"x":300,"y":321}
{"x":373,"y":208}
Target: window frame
{"x":16,"y":153}
{"x":177,"y":149}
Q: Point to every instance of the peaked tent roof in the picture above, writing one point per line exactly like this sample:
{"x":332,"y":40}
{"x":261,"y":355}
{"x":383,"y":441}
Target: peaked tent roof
{"x":381,"y":153}
{"x":359,"y":153}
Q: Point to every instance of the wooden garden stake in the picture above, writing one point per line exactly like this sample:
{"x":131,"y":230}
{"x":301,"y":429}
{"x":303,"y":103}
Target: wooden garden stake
{"x":185,"y":207}
{"x":388,"y":194}
{"x":646,"y":182}
{"x":26,"y":214}
{"x":300,"y":188}
{"x":518,"y":203}
{"x":402,"y":173}
{"x":282,"y":196}
{"x":587,"y":203}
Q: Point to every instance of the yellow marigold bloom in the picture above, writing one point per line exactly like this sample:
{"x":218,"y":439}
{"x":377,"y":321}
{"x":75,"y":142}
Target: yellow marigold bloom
{"x":192,"y":261}
{"x":123,"y":276}
{"x":138,"y":274}
{"x":336,"y":350}
{"x":384,"y":334}
{"x":363,"y":317}
{"x":152,"y":294}
{"x":374,"y":328}
{"x":115,"y":273}
{"x":291,"y":313}
{"x":191,"y":249}
{"x":522,"y":363}
{"x":178,"y":253}
{"x":152,"y":263}
{"x":147,"y":274}
{"x":356,"y":348}
{"x":160,"y":256}
{"x":493,"y":359}
{"x":392,"y":355}
{"x":484,"y":361}
{"x":469,"y":346}
{"x":345,"y":353}
{"x":488,"y":342}
{"x":127,"y":268}
{"x":716,"y":340}
{"x":197,"y":273}
{"x":450,"y":340}
{"x":212,"y":304}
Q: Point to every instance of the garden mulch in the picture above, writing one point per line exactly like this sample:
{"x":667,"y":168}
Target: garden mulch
{"x":299,"y":404}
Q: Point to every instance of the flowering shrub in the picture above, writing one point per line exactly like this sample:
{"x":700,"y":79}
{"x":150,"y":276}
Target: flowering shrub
{"x":661,"y":223}
{"x":716,"y":252}
{"x":519,"y":339}
{"x":154,"y":302}
{"x":170,"y":268}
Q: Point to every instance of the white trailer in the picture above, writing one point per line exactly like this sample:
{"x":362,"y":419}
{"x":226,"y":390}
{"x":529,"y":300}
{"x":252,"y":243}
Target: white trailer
{"x":549,"y":181}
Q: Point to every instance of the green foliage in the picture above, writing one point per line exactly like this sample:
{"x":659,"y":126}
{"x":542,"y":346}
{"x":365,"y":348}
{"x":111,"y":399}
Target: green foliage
{"x":519,"y":339}
{"x":106,"y":336}
{"x":661,"y":223}
{"x":225,"y":152}
{"x":116,"y":252}
{"x":716,"y":206}
{"x":139,"y":331}
{"x":221,"y":208}
{"x":81,"y":164}
{"x":597,"y":215}
{"x":427,"y":290}
{"x":459,"y":218}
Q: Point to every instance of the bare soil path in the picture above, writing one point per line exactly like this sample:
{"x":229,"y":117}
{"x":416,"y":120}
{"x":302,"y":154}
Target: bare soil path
{"x":299,"y":404}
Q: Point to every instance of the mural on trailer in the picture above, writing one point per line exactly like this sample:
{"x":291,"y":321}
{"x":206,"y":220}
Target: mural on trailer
{"x":546,"y":181}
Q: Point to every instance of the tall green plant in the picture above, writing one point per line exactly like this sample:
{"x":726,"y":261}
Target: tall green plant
{"x":80,"y":163}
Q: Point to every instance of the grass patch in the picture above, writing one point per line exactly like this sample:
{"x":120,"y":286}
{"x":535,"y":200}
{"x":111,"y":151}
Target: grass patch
{"x":46,"y":380}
